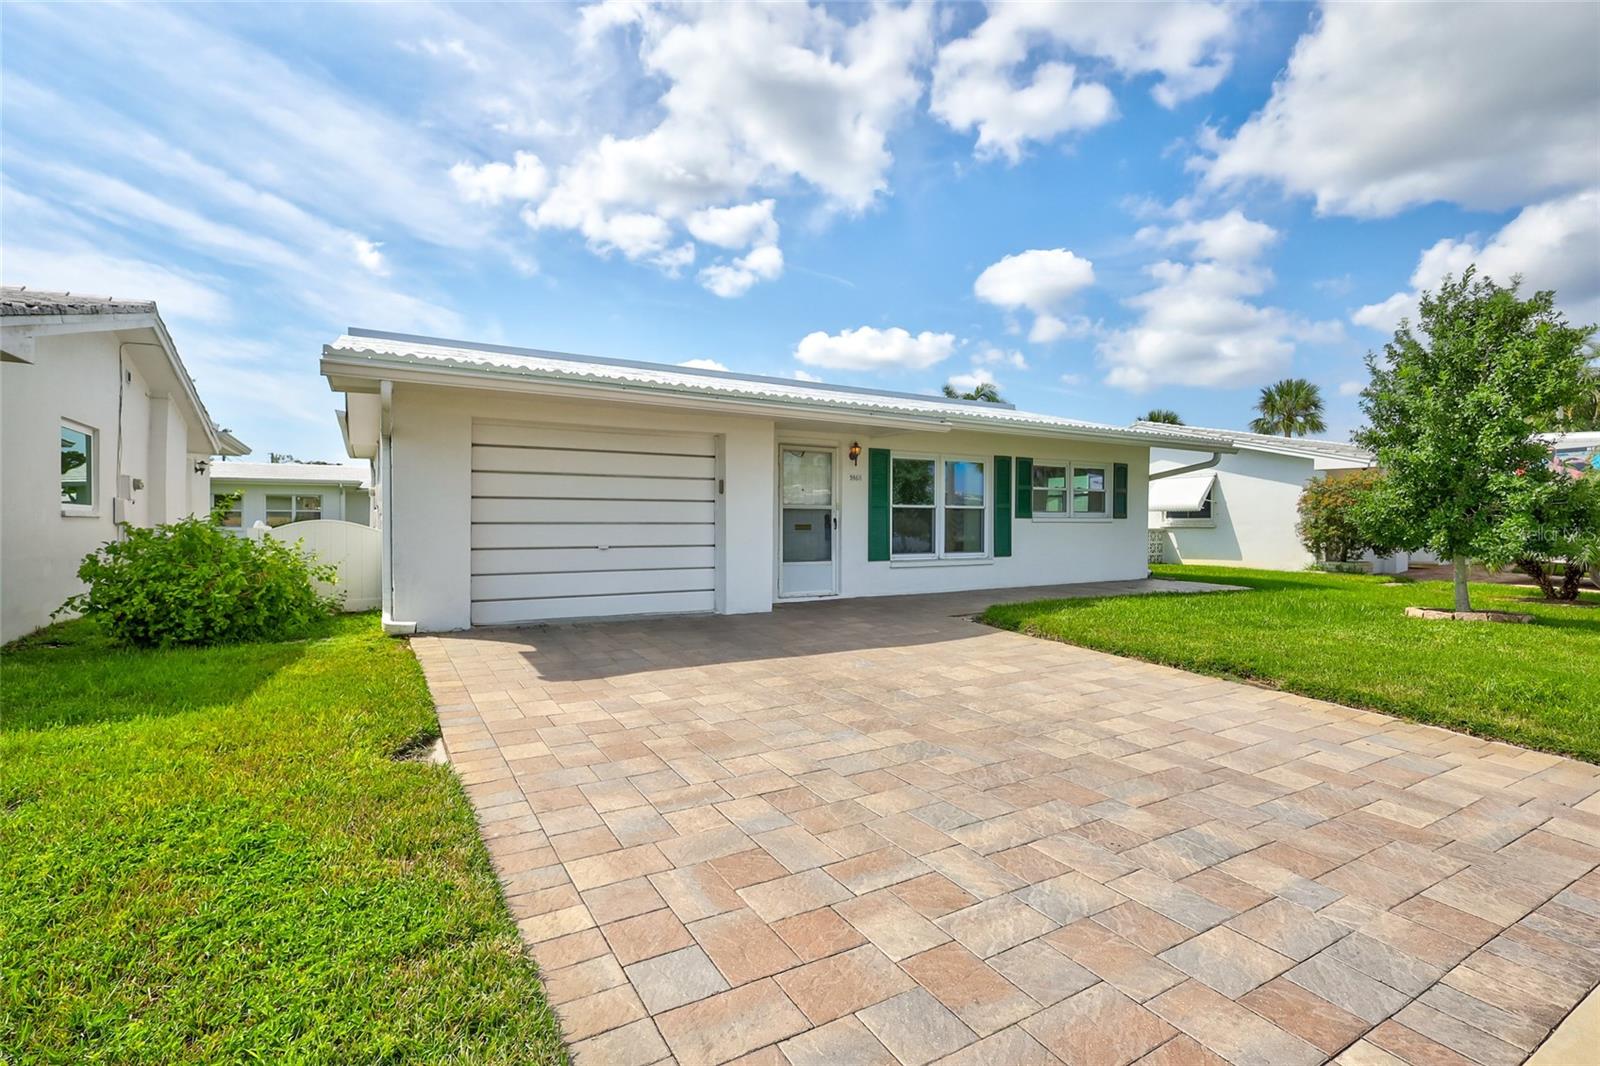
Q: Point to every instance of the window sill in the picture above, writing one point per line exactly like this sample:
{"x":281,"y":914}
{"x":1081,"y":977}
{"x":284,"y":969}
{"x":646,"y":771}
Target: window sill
{"x":1070,"y":518}
{"x":70,"y":511}
{"x":975,"y":560}
{"x":1188,"y":523}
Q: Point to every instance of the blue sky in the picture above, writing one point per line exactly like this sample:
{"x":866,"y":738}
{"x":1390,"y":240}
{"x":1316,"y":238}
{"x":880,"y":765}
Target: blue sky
{"x":1103,"y":208}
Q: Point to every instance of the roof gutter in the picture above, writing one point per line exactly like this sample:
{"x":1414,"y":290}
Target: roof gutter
{"x":1216,"y":457}
{"x":391,"y":625}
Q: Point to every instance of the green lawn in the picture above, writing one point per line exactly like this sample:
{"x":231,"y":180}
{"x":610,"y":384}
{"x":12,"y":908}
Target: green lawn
{"x":1344,"y":638}
{"x":210,"y":855}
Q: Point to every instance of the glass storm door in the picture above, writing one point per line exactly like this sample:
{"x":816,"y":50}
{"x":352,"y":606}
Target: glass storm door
{"x":808,"y":523}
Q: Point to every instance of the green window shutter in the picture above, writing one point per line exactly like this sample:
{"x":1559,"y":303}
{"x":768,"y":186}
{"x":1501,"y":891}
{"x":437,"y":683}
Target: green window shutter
{"x":877,"y":505}
{"x":1119,"y":490}
{"x":1024,"y":487}
{"x":1002,"y":506}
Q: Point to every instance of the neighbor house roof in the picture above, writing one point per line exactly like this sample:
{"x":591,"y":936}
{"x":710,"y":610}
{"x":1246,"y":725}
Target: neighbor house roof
{"x":1261,"y":442}
{"x":296,"y":473}
{"x":26,"y":314}
{"x":374,"y":355}
{"x":20,"y":302}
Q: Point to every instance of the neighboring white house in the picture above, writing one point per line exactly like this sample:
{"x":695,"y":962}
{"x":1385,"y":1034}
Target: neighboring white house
{"x":101,"y":427}
{"x":280,"y":493}
{"x":523,"y":486}
{"x":1242,"y":509}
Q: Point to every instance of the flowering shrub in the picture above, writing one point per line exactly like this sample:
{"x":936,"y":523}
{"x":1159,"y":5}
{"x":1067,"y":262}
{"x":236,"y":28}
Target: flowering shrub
{"x":191,"y":582}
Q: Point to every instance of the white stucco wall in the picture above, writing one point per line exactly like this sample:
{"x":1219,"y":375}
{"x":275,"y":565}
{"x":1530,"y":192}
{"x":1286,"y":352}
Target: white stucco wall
{"x":1254,"y":508}
{"x":74,"y":378}
{"x":429,"y":511}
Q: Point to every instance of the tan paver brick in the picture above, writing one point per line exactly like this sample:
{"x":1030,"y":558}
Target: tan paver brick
{"x":675,"y":804}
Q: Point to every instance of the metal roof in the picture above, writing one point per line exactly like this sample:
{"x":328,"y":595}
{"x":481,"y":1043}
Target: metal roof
{"x":300,"y":473}
{"x":23,"y":301}
{"x":1263,"y":442}
{"x":375,"y":350}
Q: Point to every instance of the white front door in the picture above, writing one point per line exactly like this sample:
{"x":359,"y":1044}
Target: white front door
{"x":808,"y":522}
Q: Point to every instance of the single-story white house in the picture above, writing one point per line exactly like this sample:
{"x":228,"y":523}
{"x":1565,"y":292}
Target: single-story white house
{"x":278,"y":494}
{"x":101,"y":427}
{"x":521,"y":486}
{"x":1242,"y":508}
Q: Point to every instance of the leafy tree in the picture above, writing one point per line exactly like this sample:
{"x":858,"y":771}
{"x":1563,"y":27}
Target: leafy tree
{"x":1583,"y":413}
{"x":1548,"y":519}
{"x":1163,"y":415}
{"x":1330,"y":525}
{"x":984,"y":390}
{"x":1289,"y":408}
{"x":1453,"y":408}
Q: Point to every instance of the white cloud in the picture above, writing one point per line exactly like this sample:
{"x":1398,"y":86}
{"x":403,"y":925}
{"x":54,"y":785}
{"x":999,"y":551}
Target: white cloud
{"x":521,"y":180}
{"x":757,"y":97}
{"x":735,"y":279}
{"x":999,"y":357}
{"x":801,"y":375}
{"x":869,"y":348}
{"x":1038,"y":280}
{"x":1199,"y":325}
{"x":703,"y":364}
{"x":735,"y":227}
{"x":370,"y":256}
{"x":1229,"y":239}
{"x":89,"y":270}
{"x":975,"y":80}
{"x":968,"y":382}
{"x":1384,"y":106}
{"x":1553,"y":245}
{"x":1351,"y":388}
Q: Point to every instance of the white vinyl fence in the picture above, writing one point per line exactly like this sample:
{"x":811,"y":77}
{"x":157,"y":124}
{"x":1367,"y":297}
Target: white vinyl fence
{"x":354,"y":549}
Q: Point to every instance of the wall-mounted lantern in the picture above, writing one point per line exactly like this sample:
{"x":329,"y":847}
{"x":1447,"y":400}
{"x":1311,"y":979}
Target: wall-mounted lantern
{"x":855,"y":452}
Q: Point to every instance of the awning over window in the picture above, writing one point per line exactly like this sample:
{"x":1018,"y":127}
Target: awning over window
{"x":1185,"y":493}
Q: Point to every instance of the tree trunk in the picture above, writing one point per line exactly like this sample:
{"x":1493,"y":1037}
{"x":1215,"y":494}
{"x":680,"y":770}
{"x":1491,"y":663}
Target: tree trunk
{"x":1535,"y":569}
{"x":1571,"y":579}
{"x":1462,"y":601}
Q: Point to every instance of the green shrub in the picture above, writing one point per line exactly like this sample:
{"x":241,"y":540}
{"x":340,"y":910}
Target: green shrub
{"x":191,"y":582}
{"x":1329,"y":525}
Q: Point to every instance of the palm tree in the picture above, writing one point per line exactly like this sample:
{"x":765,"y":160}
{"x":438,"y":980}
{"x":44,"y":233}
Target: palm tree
{"x":1163,"y":415}
{"x":983,"y":390}
{"x":1289,"y":408}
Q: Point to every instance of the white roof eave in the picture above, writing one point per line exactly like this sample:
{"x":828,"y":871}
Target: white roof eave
{"x":349,"y":371}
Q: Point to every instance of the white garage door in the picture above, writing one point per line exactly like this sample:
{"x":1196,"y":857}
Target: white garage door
{"x":579,"y":524}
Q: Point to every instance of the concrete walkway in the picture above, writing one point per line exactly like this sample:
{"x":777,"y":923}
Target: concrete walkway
{"x":874,"y":831}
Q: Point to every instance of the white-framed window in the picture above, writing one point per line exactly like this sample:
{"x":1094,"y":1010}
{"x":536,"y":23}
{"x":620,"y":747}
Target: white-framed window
{"x":281,"y":510}
{"x":1203,"y":514}
{"x":913,"y":516}
{"x":939,"y":507}
{"x":1089,"y":491}
{"x":966,"y":498}
{"x":1050,"y":496}
{"x":79,"y":461}
{"x":1063,"y":489}
{"x":232,"y":505}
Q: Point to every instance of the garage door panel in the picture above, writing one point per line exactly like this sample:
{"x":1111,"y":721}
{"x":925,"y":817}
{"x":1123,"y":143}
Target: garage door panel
{"x":568,"y":523}
{"x":568,"y":560}
{"x":567,"y":461}
{"x":599,"y":583}
{"x":592,"y":486}
{"x":513,"y":612}
{"x":494,"y":510}
{"x":591,"y":534}
{"x":520,"y":436}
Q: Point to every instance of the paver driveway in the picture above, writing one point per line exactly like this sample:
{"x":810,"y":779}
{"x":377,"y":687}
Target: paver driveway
{"x":874,"y":831}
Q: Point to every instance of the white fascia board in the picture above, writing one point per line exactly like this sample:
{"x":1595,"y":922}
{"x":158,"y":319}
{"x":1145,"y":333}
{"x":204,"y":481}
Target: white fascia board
{"x":363,"y":373}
